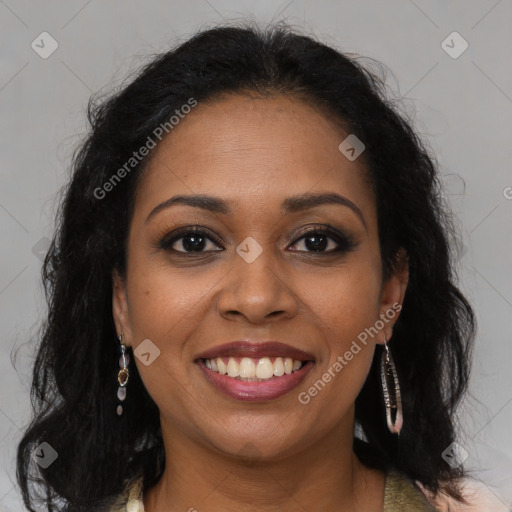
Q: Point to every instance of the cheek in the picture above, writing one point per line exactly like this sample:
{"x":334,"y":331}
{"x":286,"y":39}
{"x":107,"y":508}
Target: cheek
{"x":164,"y":304}
{"x":345,"y":309}
{"x":348,"y":353}
{"x":345,"y":304}
{"x":162,"y":308}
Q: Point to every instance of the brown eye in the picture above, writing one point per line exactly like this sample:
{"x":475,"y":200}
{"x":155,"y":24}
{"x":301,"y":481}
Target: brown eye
{"x":189,"y":240}
{"x":324,"y":241}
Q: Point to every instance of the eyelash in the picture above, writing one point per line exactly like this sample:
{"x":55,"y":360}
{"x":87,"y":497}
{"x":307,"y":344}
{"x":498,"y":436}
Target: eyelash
{"x":346,"y":243}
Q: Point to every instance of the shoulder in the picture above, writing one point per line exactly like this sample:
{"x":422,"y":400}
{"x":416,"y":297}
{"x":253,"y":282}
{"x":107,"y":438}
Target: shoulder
{"x":403,"y":495}
{"x":478,"y":498}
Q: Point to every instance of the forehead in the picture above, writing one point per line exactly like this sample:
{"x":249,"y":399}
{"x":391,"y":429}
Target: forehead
{"x":253,"y":150}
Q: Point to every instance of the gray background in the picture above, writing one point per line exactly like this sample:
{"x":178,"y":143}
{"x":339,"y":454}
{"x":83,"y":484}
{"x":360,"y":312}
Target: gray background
{"x":462,"y":106}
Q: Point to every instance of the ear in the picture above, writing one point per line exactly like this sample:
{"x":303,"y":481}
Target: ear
{"x":120,"y":310}
{"x":392,"y":295}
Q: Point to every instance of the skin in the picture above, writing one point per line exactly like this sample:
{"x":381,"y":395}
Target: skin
{"x":225,"y":454}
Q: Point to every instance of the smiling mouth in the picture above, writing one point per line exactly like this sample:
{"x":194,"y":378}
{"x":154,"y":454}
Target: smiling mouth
{"x":255,"y":371}
{"x":249,"y":369}
{"x":249,"y":387}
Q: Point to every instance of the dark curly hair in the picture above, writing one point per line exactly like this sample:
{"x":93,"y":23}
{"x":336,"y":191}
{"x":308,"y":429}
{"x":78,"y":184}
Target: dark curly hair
{"x":74,"y":383}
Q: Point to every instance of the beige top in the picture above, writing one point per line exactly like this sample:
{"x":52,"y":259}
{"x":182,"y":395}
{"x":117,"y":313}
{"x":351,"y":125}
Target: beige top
{"x":401,"y":495}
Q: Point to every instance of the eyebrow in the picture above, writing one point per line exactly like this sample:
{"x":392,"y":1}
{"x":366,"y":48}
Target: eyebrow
{"x":290,"y":205}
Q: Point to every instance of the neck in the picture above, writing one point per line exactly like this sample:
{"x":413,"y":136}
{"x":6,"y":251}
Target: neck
{"x":325,"y":475}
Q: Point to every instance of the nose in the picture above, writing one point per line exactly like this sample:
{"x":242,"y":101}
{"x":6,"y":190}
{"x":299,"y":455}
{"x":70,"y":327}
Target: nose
{"x":257,"y":292}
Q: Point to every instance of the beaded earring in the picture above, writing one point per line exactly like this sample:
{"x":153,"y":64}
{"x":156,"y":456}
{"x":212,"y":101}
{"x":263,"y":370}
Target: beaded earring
{"x":122,"y":375}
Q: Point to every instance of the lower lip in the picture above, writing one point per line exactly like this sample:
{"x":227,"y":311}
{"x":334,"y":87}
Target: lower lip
{"x":255,"y":391}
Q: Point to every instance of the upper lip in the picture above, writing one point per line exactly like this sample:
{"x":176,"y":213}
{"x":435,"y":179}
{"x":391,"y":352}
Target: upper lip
{"x":255,"y":350}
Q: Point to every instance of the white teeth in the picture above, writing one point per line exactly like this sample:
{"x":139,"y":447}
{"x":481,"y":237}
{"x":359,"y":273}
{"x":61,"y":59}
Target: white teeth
{"x":247,"y":368}
{"x":233,"y":368}
{"x":264,"y":369}
{"x":278,"y":367}
{"x":254,"y":369}
{"x":221,"y":365}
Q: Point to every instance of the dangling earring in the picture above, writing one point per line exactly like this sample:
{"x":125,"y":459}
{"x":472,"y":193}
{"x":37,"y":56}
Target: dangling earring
{"x":389,"y":379}
{"x":122,"y":376}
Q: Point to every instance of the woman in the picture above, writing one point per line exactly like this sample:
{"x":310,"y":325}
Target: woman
{"x":252,"y":262}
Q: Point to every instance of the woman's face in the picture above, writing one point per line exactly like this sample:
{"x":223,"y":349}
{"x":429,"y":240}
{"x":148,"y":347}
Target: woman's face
{"x":252,"y":275}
